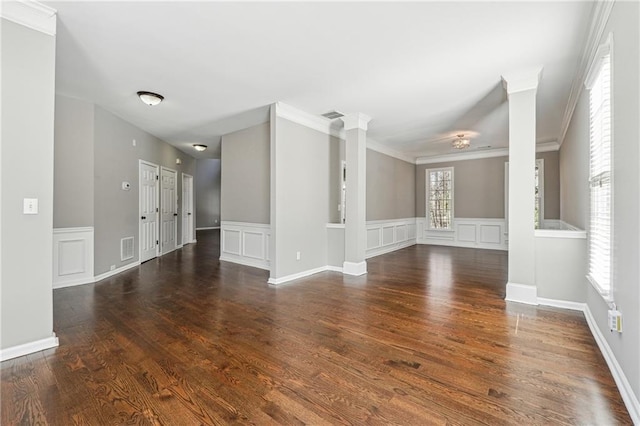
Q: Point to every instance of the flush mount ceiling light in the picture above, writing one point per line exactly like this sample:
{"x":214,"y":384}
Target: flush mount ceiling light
{"x":461,"y":142}
{"x":199,"y":147}
{"x":150,"y":98}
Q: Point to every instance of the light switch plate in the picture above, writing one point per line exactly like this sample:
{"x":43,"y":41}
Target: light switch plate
{"x":30,"y":206}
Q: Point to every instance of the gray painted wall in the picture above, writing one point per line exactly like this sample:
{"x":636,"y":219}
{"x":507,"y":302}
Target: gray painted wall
{"x":116,"y":160}
{"x":303,"y":161}
{"x":479,"y":186}
{"x":624,"y":24}
{"x":391,"y":187}
{"x":28,"y":87}
{"x":574,"y":170}
{"x":207,"y":193}
{"x":245,"y":181}
{"x":73,"y":163}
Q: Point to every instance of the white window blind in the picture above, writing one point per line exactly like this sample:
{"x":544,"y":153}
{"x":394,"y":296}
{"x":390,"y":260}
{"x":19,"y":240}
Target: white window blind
{"x":600,"y":178}
{"x":440,"y":198}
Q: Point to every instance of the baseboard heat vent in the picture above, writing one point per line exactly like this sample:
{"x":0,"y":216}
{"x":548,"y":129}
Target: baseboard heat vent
{"x":126,"y":248}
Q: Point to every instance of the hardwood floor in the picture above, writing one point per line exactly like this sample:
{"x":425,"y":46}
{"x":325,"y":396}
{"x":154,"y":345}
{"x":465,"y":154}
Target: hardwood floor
{"x":424,"y":338}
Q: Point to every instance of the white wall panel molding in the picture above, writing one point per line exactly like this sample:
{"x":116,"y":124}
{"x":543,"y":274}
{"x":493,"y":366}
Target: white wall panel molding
{"x":467,"y":232}
{"x":245,"y":243}
{"x":385,"y":236}
{"x":31,"y":14}
{"x":29,"y":348}
{"x":72,"y":256}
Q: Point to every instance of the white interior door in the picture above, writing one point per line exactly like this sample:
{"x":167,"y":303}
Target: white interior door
{"x":168,"y":210}
{"x":187,"y":209}
{"x":148,"y":208}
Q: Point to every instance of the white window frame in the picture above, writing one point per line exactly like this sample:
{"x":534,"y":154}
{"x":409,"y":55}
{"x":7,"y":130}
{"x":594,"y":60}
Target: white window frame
{"x":604,"y":283}
{"x":428,"y":197}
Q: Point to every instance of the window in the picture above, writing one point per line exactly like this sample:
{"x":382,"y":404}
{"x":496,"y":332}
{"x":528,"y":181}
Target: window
{"x":538,"y":212}
{"x":440,"y":198}
{"x":600,"y":170}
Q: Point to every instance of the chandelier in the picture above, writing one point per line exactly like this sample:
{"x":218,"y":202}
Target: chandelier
{"x":460,"y":142}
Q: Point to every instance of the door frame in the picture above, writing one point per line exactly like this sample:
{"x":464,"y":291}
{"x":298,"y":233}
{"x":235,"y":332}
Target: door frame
{"x":191,"y":235}
{"x":148,"y":163}
{"x":175,"y":203}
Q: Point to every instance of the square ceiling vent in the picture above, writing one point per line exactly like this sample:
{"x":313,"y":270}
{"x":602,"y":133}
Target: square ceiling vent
{"x":332,"y":115}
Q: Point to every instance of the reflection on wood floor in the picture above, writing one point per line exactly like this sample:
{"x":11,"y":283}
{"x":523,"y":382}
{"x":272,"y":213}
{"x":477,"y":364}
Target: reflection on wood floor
{"x":425,"y":337}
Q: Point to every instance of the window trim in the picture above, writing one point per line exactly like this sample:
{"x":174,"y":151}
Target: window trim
{"x":428,"y":194}
{"x":603,"y":50}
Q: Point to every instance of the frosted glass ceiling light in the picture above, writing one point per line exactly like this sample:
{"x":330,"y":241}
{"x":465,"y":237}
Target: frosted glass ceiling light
{"x":199,"y":147}
{"x":461,"y":143}
{"x":150,"y":98}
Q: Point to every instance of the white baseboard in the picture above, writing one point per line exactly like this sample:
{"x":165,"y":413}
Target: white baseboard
{"x":287,"y":278}
{"x":74,"y":283}
{"x":522,"y":293}
{"x":246,"y":261}
{"x":115,"y":271}
{"x":29,"y":348}
{"x":563,"y":304}
{"x":354,"y":268}
{"x":334,"y":268}
{"x":206,"y":228}
{"x":626,"y":391}
{"x":393,"y":247}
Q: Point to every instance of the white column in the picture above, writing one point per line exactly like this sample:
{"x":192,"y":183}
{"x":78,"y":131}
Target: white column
{"x":521,"y":89}
{"x":355,"y":232}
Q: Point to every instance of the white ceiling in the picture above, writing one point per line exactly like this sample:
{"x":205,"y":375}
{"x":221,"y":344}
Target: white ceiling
{"x":422,"y":71}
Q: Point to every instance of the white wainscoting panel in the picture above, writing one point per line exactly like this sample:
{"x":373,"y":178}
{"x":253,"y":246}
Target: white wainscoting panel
{"x":72,"y":256}
{"x":245,"y":243}
{"x":384,"y":236}
{"x":466,"y":232}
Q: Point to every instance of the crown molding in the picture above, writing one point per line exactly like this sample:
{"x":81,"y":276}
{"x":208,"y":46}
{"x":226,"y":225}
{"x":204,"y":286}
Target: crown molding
{"x":489,"y":153}
{"x":547,"y":146}
{"x":378,"y":147}
{"x":306,"y":119}
{"x":445,"y":158}
{"x":31,"y":14}
{"x":599,"y":19}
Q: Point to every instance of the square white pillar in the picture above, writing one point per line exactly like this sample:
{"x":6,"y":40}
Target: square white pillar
{"x":355,"y":232}
{"x":521,"y":89}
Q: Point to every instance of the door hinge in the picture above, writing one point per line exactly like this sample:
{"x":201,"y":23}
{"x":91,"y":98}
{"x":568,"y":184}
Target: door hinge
{"x":157,"y":242}
{"x":157,"y":178}
{"x":156,"y":210}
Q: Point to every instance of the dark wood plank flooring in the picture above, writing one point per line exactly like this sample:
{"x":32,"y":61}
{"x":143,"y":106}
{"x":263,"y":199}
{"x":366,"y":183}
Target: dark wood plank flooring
{"x":424,"y":338}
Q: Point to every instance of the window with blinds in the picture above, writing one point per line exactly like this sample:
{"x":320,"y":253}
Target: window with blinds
{"x":440,"y":198}
{"x":600,"y":171}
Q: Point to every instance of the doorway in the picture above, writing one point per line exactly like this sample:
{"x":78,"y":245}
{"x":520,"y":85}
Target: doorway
{"x":187,"y":209}
{"x":148,"y":210}
{"x":168,"y":210}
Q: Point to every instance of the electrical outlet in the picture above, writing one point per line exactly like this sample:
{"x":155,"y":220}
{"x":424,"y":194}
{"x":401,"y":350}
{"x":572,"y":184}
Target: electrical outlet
{"x":134,"y":142}
{"x":615,"y":320}
{"x":30,"y":206}
{"x":112,"y":267}
{"x":297,"y":255}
